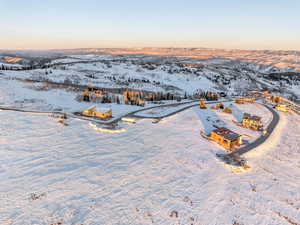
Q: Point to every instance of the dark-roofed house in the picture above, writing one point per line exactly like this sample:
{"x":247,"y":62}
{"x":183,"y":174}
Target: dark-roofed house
{"x":226,"y":138}
{"x":252,"y":122}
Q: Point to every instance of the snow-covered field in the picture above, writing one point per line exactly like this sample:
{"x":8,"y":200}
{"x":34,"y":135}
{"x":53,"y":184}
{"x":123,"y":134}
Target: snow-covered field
{"x":144,"y":173}
{"x":164,"y":110}
{"x":76,"y":175}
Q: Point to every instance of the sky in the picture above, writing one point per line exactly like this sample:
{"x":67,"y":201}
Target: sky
{"x":229,"y":24}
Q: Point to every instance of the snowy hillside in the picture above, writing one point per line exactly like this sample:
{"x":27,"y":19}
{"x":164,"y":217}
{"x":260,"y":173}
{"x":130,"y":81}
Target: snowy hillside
{"x":265,"y":59}
{"x":164,"y":74}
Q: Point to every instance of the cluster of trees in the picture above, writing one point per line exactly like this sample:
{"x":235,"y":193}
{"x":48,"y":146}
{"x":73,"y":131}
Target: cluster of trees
{"x":96,"y":98}
{"x":207,"y":95}
{"x":159,"y":96}
{"x":137,"y":101}
{"x":140,"y":97}
{"x":284,"y":78}
{"x":3,"y":67}
{"x":122,"y":80}
{"x":17,"y":68}
{"x":134,"y":98}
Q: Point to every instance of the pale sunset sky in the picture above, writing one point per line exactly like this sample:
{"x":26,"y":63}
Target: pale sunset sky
{"x":242,"y":24}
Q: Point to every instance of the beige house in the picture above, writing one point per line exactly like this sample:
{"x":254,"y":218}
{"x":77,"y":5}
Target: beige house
{"x":252,"y":122}
{"x":282,"y":108}
{"x":101,"y":113}
{"x":239,"y":101}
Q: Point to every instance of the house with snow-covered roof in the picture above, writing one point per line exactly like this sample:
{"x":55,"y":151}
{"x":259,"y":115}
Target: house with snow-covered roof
{"x":102,"y":113}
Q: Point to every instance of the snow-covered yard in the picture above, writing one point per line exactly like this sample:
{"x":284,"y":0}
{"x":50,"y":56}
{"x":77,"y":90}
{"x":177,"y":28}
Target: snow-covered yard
{"x":164,"y":110}
{"x":76,"y":175}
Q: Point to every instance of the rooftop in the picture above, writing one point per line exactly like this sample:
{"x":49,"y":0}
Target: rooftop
{"x":251,"y":117}
{"x":226,"y":133}
{"x":94,"y":108}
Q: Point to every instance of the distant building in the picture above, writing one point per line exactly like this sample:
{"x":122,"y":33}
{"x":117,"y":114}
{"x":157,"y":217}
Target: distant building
{"x":239,"y":101}
{"x":92,"y":93}
{"x":218,"y":106}
{"x":252,"y":122}
{"x":202,"y":104}
{"x":282,"y":108}
{"x":226,"y":138}
{"x":259,"y":93}
{"x":227,"y":110}
{"x":248,"y":99}
{"x":103,"y":113}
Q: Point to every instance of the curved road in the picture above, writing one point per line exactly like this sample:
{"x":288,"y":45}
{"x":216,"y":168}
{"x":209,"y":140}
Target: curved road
{"x":130,"y":114}
{"x":175,"y":112}
{"x":99,"y":121}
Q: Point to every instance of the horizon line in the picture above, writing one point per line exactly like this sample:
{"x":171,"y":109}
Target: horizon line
{"x":145,"y":47}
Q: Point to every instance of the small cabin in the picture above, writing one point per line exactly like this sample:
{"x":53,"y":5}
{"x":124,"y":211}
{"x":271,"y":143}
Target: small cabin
{"x":86,"y":96}
{"x":239,"y":101}
{"x":252,"y":122}
{"x":226,"y":138}
{"x":90,"y":87}
{"x":248,"y":99}
{"x":218,"y":106}
{"x":227,"y":110}
{"x":91,"y":93}
{"x":202,"y":104}
{"x":282,"y":108}
{"x":101,"y":113}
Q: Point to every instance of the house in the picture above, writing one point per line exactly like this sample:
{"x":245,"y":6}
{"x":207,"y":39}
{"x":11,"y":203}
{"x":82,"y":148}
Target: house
{"x":103,"y":113}
{"x":202,"y":104}
{"x":282,"y":108}
{"x":239,"y":101}
{"x":218,"y":106}
{"x":90,"y":87}
{"x":226,"y":138}
{"x":259,"y":93}
{"x":227,"y":110}
{"x":86,"y":96}
{"x":248,"y":99}
{"x":91,"y":93}
{"x":252,"y":122}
